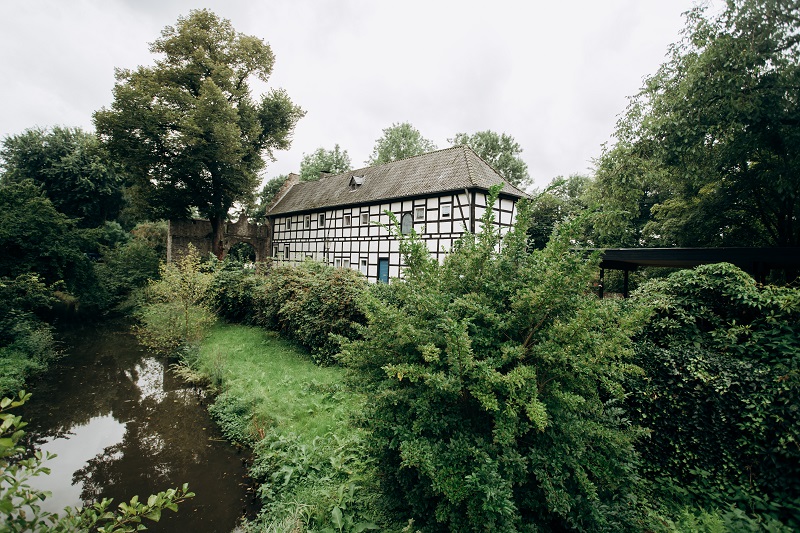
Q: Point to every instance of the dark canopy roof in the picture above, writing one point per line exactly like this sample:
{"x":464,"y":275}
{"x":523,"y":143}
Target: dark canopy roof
{"x":452,"y":169}
{"x":749,"y":259}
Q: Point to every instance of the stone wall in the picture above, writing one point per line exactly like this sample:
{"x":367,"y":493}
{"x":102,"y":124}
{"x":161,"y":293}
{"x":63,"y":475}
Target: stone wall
{"x":180,"y":233}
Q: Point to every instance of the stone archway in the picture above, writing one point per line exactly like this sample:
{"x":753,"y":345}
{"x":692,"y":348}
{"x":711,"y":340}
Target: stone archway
{"x":181,"y":233}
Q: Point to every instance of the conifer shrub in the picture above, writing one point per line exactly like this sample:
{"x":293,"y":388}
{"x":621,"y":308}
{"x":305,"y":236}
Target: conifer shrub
{"x":495,"y":381}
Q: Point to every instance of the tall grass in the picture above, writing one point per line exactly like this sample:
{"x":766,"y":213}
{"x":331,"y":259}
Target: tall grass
{"x":311,"y":461}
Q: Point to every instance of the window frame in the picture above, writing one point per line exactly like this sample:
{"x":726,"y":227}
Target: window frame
{"x":363,"y":265}
{"x":448,"y":214}
{"x":289,"y":223}
{"x":364,"y":219}
{"x":287,"y":251}
{"x":321,"y":219}
{"x":307,"y":222}
{"x":346,"y":220}
{"x":419,"y":214}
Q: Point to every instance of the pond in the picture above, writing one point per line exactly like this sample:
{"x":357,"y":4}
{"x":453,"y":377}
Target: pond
{"x":122,"y":425}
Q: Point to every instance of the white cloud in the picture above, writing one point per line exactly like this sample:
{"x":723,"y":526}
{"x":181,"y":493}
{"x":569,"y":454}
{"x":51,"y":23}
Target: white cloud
{"x":555,"y":75}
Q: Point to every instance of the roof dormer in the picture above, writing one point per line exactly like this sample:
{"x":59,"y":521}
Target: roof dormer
{"x":356,"y":182}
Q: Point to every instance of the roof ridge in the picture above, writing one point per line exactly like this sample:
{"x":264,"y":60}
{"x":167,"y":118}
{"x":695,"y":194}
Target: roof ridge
{"x":403,"y":159}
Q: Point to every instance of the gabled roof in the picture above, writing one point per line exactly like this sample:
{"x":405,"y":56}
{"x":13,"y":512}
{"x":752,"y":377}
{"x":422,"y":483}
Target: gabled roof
{"x":451,"y":169}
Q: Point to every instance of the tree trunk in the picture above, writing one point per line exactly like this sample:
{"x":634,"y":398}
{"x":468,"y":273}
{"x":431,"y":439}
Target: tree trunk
{"x":218,"y":236}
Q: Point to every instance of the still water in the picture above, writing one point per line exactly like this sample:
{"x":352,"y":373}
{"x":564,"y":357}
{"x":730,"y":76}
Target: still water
{"x":122,"y":425}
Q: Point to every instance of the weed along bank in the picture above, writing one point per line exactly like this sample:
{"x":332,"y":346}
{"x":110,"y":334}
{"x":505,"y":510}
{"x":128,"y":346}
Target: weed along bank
{"x":342,"y":219}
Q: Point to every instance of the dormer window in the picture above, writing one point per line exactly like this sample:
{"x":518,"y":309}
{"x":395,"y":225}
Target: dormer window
{"x":356,"y":182}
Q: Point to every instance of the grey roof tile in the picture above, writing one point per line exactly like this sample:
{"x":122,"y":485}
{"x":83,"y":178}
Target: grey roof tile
{"x":451,"y":169}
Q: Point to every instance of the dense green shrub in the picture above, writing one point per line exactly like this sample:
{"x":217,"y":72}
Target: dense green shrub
{"x":129,"y":264}
{"x":495,"y":385}
{"x":722,"y":391}
{"x":312,"y":304}
{"x":236,"y":289}
{"x":177,"y":312}
{"x":26,"y":342}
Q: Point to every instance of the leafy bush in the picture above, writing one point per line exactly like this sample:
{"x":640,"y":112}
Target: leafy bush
{"x":321,"y":486}
{"x":177,"y":313}
{"x":26,"y":342}
{"x":495,"y":385}
{"x":722,"y":391}
{"x":129,"y":265}
{"x":235,"y":291}
{"x":312,"y":304}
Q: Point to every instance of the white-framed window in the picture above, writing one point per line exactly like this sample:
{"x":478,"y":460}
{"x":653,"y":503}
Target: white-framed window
{"x":419,"y":213}
{"x":345,"y":220}
{"x":362,"y":266}
{"x":444,"y":211}
{"x":286,"y":252}
{"x":346,"y":262}
{"x":337,"y":262}
{"x":307,"y":221}
{"x":275,"y":252}
{"x":321,"y":220}
{"x":364,"y":219}
{"x":288,"y":223}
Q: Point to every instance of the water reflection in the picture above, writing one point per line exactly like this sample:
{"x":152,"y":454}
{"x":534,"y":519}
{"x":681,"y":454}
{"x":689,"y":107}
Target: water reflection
{"x":95,"y":437}
{"x":122,"y":424}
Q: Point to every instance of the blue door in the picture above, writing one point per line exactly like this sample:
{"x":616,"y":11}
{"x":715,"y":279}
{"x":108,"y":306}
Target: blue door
{"x":383,"y":270}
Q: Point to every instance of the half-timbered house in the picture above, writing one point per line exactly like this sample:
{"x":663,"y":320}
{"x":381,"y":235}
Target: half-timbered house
{"x":341,"y":219}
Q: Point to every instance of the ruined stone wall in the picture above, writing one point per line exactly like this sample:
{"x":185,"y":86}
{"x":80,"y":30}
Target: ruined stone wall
{"x":181,"y":233}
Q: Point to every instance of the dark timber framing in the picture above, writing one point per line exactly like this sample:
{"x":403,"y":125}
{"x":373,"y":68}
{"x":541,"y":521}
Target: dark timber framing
{"x":450,"y":187}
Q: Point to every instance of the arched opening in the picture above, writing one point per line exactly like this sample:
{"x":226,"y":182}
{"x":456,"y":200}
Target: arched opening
{"x":406,"y":223}
{"x":243,"y":252}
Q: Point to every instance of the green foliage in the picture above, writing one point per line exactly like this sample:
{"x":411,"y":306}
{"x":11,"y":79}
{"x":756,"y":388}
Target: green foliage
{"x":72,"y":168}
{"x":265,"y":197}
{"x":707,"y":152}
{"x":495,"y":385}
{"x":313,"y":464}
{"x":20,"y":508}
{"x":324,"y":161}
{"x":311,"y":303}
{"x":130,"y":265}
{"x":398,"y":142}
{"x":188,"y":129}
{"x":36,"y":238}
{"x":501,"y":151}
{"x":563,"y":199}
{"x":177,"y":313}
{"x":721,"y":393}
{"x":27,"y":349}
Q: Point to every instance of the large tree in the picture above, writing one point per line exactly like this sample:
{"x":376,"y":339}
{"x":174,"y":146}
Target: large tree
{"x":563,"y":199}
{"x":398,"y":142}
{"x":71,"y":166}
{"x":708,"y":152}
{"x":501,"y":151}
{"x":324,"y":161}
{"x":188,"y":128}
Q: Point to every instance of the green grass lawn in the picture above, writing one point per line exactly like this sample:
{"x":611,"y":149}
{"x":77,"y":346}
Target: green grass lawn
{"x":312,"y":463}
{"x":278,"y":380}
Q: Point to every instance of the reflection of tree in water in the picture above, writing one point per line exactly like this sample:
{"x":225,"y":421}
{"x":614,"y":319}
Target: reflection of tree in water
{"x":168,"y":436}
{"x":85,"y":384}
{"x":166,"y":432}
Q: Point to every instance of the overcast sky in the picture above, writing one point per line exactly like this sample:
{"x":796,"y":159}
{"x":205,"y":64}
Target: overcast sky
{"x":553,"y":74}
